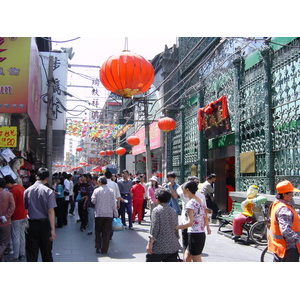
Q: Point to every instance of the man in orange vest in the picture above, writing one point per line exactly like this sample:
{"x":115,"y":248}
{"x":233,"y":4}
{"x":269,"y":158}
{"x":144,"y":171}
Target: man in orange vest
{"x":284,"y":238}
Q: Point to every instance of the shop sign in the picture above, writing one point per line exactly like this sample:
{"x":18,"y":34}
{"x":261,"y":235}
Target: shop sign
{"x":8,"y":136}
{"x":155,"y":135}
{"x":20,"y":77}
{"x":214,"y":119}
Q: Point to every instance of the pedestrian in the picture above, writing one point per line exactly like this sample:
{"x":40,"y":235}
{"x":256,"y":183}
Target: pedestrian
{"x":163,"y":244}
{"x":19,"y":219}
{"x":71,"y":195}
{"x":125,"y":185}
{"x":114,"y":186}
{"x":196,"y":223}
{"x":173,"y":186}
{"x":151,"y":193}
{"x":60,"y":198}
{"x":67,"y":191}
{"x":93,"y":184}
{"x":137,"y":193}
{"x":284,"y":237}
{"x":145,"y":185}
{"x":208,"y":190}
{"x":7,"y":208}
{"x":82,"y":210}
{"x":183,"y":217}
{"x":76,"y":193}
{"x":75,"y":177}
{"x":40,"y":202}
{"x":105,"y":210}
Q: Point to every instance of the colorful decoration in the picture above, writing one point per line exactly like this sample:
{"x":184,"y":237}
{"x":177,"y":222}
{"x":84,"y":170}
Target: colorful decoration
{"x":133,"y":140}
{"x":166,"y":124}
{"x":102,"y":153}
{"x":95,"y":130}
{"x":78,"y":149}
{"x":120,"y":151}
{"x":127,"y":74}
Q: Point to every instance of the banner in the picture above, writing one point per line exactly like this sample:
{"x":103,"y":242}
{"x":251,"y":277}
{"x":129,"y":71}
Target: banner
{"x":20,"y":77}
{"x":155,"y":134}
{"x":8,"y":136}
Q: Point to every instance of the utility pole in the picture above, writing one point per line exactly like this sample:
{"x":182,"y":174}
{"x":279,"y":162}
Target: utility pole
{"x":147,"y":141}
{"x":49,"y":129}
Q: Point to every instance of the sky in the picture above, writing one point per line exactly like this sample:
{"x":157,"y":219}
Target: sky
{"x":96,"y":50}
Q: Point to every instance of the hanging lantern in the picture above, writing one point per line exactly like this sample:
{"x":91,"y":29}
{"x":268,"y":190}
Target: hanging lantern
{"x":127,"y":74}
{"x":109,"y":152}
{"x":166,"y":124}
{"x":120,"y":151}
{"x":133,"y":140}
{"x":78,"y":149}
{"x":102,"y":153}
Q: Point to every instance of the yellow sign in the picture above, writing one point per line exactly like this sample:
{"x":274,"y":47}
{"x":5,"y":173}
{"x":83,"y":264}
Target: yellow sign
{"x":8,"y":136}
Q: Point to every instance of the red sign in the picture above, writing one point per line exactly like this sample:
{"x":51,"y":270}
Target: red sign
{"x":155,"y":136}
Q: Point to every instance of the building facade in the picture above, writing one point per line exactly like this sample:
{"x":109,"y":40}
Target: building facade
{"x":253,"y":136}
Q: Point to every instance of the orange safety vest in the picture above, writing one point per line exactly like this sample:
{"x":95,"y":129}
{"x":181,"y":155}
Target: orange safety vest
{"x":276,"y":242}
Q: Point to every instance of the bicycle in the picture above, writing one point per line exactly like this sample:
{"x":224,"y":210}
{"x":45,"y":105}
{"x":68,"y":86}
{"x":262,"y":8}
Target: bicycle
{"x":266,"y":256}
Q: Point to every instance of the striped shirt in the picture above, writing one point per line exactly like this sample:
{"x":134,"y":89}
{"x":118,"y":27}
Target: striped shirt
{"x":284,"y":218}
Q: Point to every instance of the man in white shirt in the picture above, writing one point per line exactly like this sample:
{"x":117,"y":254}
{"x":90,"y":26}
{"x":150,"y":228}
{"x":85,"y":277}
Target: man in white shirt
{"x":114,"y":186}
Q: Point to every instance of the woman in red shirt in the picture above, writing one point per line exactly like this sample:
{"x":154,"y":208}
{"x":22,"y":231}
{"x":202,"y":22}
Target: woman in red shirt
{"x":19,"y":218}
{"x":137,"y":193}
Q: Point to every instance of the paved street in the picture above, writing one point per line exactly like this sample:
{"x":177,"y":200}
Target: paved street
{"x":72,"y":245}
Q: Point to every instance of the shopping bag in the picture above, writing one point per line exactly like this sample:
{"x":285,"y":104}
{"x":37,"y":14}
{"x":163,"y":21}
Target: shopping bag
{"x":116,"y":225}
{"x":78,"y":198}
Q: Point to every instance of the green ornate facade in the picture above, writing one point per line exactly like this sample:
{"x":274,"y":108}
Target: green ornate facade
{"x":262,"y":90}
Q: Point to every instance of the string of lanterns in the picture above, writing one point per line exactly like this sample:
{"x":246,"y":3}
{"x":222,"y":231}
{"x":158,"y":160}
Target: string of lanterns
{"x":95,"y":130}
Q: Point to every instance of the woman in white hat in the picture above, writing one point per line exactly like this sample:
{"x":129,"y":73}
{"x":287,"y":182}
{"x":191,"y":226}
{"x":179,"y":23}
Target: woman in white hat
{"x":151,"y":193}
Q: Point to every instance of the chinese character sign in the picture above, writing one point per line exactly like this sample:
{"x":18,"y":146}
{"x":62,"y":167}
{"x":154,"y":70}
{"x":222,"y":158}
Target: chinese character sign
{"x":8,"y":136}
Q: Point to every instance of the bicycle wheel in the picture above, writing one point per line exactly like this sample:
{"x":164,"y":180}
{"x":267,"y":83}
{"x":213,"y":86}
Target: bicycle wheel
{"x":266,"y":256}
{"x":258,"y":233}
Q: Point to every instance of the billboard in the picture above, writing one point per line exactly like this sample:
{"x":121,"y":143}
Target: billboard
{"x":155,"y":139}
{"x":20,"y":77}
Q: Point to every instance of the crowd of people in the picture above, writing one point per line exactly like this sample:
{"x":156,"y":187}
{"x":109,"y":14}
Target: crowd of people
{"x":29,"y":217}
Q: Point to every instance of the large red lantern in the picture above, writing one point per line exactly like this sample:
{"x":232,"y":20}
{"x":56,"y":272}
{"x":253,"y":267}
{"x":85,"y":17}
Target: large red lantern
{"x":109,"y":152}
{"x":102,"y":153}
{"x":133,"y":140}
{"x":120,"y":151}
{"x":166,"y":124}
{"x":78,"y":149}
{"x":127,"y":74}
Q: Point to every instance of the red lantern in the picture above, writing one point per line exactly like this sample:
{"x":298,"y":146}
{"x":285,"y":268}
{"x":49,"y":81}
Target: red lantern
{"x":127,"y":74}
{"x":120,"y":151}
{"x":133,"y":140}
{"x":109,"y":152}
{"x":166,"y":124}
{"x":78,"y":149}
{"x":102,"y":153}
